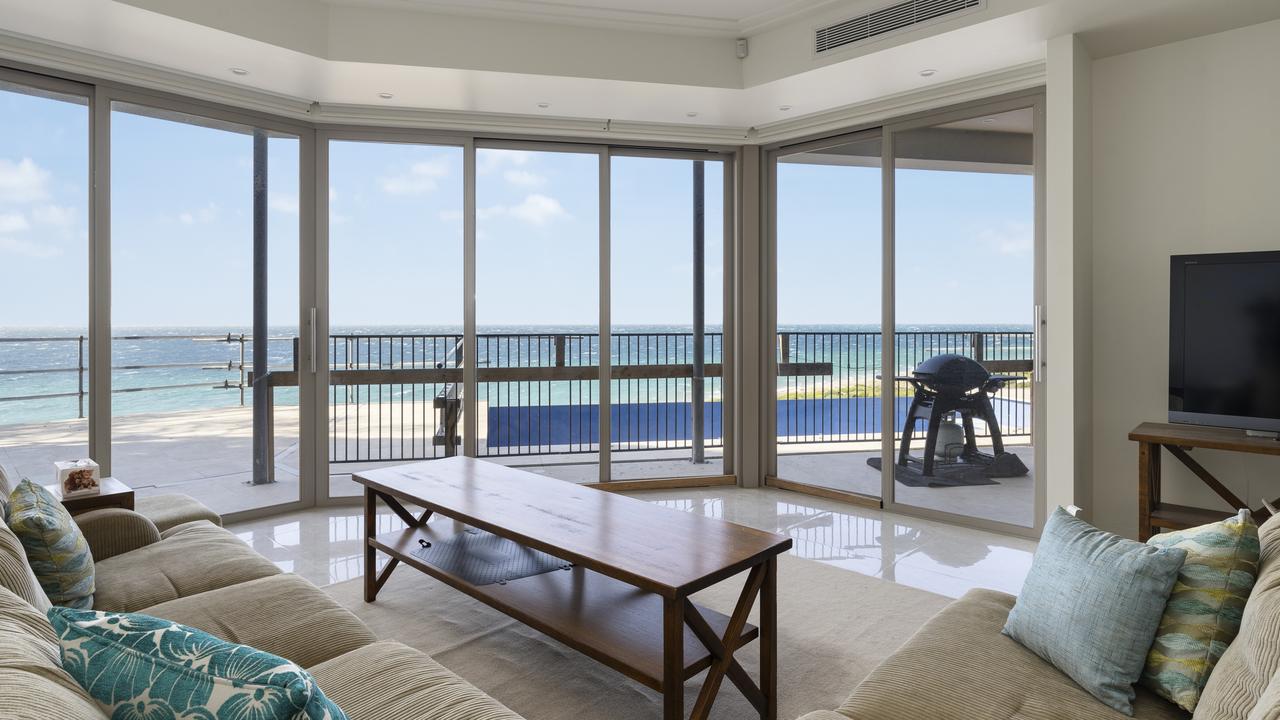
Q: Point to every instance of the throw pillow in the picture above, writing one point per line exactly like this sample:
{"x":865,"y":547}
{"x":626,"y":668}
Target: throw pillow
{"x":138,"y":666}
{"x":56,"y":549}
{"x":15,"y":572}
{"x":1203,"y":614}
{"x":1091,"y":604}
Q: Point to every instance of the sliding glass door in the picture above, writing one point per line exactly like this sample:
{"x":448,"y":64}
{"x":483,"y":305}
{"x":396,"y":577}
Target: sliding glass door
{"x":667,"y":250}
{"x":827,"y":362}
{"x":44,"y":269}
{"x":907,"y":310}
{"x":395,"y":350}
{"x":205,"y":272}
{"x":965,"y":307}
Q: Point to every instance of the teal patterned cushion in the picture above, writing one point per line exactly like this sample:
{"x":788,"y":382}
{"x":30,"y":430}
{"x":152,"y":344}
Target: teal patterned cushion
{"x":139,"y":667}
{"x":1091,"y":604}
{"x":1204,"y":610}
{"x":56,"y":549}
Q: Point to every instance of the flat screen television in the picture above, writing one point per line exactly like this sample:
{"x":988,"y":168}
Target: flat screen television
{"x":1224,"y":340}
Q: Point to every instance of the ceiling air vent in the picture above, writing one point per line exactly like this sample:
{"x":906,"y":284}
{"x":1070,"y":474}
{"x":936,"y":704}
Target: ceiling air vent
{"x":886,"y":20}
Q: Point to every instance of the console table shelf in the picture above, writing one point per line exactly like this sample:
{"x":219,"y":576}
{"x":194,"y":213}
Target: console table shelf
{"x":1179,"y":440}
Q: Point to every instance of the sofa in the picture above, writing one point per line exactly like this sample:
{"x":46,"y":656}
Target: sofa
{"x":959,"y":666}
{"x":198,"y":574}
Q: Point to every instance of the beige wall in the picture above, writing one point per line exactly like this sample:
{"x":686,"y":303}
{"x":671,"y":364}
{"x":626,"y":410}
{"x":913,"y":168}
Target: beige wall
{"x":1186,"y":158}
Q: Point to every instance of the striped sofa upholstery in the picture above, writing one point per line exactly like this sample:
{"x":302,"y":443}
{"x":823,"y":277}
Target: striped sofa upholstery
{"x":198,"y":574}
{"x":958,"y":666}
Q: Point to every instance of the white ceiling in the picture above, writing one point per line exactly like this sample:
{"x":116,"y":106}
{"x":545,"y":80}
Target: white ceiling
{"x":711,"y":17}
{"x":480,"y":56}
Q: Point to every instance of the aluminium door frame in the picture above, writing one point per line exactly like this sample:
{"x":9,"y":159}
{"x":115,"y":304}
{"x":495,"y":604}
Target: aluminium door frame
{"x":105,"y":95}
{"x":1035,"y":101}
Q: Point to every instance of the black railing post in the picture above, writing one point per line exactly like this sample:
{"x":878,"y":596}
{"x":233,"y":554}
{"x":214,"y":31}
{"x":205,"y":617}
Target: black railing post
{"x":80,"y":373}
{"x":699,"y":310}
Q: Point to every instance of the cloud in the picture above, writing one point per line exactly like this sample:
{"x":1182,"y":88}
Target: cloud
{"x":206,"y":214}
{"x":13,"y":222}
{"x":421,"y":179}
{"x":27,"y":248}
{"x":538,"y":209}
{"x":283,"y":203}
{"x":450,"y":215}
{"x":524,"y":178}
{"x":54,"y":216}
{"x":488,"y":161}
{"x":1011,"y":238}
{"x":23,"y":181}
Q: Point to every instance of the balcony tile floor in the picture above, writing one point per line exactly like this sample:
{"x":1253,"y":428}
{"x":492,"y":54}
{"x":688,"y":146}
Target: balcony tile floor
{"x":323,"y":544}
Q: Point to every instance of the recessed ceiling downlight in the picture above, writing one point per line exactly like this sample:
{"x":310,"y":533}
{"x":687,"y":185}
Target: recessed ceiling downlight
{"x":544,"y":105}
{"x":784,"y":108}
{"x":238,"y":71}
{"x":385,"y":95}
{"x":691,"y":113}
{"x":928,"y":72}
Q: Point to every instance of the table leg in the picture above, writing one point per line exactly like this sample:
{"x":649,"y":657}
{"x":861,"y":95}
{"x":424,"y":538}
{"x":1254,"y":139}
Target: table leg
{"x":673,"y":659}
{"x":1148,"y":486}
{"x":370,"y":554}
{"x":769,"y":639}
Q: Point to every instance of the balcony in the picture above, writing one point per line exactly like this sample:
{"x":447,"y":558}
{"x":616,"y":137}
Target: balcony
{"x":182,"y":406}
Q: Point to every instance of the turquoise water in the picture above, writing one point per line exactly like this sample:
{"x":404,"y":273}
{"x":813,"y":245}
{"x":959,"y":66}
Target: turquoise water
{"x":206,"y":369}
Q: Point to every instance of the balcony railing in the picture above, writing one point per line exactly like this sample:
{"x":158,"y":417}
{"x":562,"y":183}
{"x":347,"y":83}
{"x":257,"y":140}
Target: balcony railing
{"x":397,"y":397}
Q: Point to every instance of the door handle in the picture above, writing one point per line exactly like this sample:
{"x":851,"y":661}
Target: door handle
{"x":1037,"y":340}
{"x":311,"y":333}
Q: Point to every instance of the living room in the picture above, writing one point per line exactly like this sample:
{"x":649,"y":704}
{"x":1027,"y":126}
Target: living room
{"x":514,"y":359}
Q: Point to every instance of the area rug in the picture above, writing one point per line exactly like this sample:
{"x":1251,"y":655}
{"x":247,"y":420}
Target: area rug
{"x":834,"y":626}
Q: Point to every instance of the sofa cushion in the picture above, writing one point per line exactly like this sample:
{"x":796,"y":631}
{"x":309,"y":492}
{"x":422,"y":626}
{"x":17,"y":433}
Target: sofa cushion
{"x":30,"y":668}
{"x":171,"y":510}
{"x":1091,"y":605}
{"x":391,"y":681}
{"x":192,"y":558}
{"x":56,"y":549}
{"x":138,"y":666}
{"x":1203,"y":613}
{"x":1247,"y":667}
{"x":15,"y":572}
{"x":960,"y":667}
{"x":287,"y":616}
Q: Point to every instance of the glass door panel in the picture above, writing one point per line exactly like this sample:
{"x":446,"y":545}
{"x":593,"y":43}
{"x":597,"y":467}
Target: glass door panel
{"x":965,"y":297}
{"x":44,"y":262}
{"x":667,"y":290}
{"x":395,"y":345}
{"x":183,"y":301}
{"x":828,"y":317}
{"x":537,"y":310}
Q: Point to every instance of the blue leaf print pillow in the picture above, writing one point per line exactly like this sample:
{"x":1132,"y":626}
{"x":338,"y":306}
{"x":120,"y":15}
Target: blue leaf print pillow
{"x":138,"y":667}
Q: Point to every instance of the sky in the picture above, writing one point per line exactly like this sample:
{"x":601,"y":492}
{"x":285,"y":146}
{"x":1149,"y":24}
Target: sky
{"x":182,"y":233}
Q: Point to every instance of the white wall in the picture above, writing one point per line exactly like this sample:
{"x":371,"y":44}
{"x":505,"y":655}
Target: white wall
{"x":1186,"y":158}
{"x":1068,"y":276}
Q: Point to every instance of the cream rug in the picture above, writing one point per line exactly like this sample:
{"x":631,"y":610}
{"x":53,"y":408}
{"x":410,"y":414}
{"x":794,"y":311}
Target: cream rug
{"x":834,"y":626}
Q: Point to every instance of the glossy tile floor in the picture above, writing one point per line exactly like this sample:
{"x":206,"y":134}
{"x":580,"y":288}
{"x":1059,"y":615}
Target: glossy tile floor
{"x":323,"y":544}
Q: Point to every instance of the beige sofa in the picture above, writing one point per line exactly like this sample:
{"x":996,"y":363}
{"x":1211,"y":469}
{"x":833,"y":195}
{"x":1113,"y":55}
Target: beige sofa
{"x":958,"y":666}
{"x":199,"y":574}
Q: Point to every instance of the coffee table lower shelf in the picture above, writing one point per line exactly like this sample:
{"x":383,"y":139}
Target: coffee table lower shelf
{"x":608,"y":620}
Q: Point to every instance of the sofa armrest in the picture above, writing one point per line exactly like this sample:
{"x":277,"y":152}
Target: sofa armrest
{"x":114,"y":531}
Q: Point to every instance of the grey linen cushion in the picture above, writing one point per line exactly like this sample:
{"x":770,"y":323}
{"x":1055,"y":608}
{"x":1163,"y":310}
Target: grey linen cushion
{"x":1091,"y":605}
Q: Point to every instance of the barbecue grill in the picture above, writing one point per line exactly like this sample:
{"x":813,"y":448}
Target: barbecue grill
{"x":947,"y":385}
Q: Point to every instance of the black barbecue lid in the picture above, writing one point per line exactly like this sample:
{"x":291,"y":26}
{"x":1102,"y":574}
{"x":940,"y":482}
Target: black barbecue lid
{"x":952,"y":371}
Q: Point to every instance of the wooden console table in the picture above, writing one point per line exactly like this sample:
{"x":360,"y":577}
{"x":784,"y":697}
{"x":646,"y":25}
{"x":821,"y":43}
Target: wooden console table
{"x":1179,"y":440}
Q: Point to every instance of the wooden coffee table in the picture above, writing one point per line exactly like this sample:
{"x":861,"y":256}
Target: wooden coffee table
{"x":625,"y":603}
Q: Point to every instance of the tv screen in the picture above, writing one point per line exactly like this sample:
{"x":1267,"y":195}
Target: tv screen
{"x":1224,"y":340}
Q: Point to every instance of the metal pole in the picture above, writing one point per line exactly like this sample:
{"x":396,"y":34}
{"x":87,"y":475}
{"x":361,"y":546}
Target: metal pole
{"x":262,"y":460}
{"x":80,"y":373}
{"x":699,"y":307}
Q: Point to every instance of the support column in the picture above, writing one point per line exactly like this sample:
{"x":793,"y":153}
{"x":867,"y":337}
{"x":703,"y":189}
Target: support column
{"x":262,"y":456}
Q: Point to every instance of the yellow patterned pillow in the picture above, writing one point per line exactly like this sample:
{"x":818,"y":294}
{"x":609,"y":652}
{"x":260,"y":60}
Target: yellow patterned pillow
{"x":1203,"y":614}
{"x":56,"y":549}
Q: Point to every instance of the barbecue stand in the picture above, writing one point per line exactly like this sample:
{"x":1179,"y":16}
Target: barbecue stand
{"x":947,"y":384}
